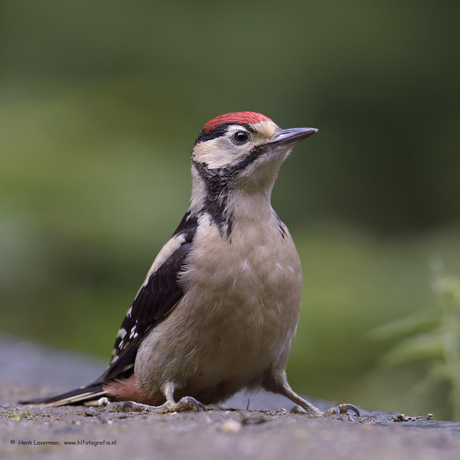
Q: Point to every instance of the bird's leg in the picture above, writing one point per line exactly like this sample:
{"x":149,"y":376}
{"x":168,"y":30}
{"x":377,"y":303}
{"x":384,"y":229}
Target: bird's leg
{"x":308,"y":407}
{"x":185,"y":404}
{"x":286,"y":390}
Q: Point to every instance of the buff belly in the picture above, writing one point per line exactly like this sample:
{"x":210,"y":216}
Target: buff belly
{"x":234,"y":325}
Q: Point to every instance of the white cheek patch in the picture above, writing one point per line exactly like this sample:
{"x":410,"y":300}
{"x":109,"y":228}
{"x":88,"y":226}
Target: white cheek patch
{"x":222,"y":152}
{"x":218,"y":153}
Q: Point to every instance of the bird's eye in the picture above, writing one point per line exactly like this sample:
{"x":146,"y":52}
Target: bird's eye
{"x":240,"y":137}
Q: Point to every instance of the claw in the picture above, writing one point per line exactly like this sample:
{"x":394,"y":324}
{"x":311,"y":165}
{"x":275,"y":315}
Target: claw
{"x":131,"y":406}
{"x":298,"y":410}
{"x":185,"y":404}
{"x":192,"y":403}
{"x":342,"y":409}
{"x":103,"y":401}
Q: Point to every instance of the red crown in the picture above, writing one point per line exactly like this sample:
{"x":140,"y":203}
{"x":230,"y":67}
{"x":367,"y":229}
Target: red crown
{"x":242,"y":118}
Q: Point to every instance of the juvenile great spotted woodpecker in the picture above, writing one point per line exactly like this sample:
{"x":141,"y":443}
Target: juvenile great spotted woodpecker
{"x":218,"y":310}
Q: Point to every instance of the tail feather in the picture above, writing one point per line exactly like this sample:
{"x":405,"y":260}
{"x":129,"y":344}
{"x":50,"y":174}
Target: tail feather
{"x":80,"y":395}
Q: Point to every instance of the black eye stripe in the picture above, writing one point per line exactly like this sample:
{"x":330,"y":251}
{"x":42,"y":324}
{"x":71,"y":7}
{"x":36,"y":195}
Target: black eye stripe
{"x":221,"y":130}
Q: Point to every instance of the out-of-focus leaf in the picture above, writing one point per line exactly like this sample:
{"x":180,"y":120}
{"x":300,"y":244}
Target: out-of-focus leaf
{"x":422,"y":347}
{"x":448,"y":289}
{"x":438,"y":373}
{"x":412,"y":324}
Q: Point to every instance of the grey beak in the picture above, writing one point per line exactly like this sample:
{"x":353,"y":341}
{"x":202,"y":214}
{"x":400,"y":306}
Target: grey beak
{"x":292,"y":136}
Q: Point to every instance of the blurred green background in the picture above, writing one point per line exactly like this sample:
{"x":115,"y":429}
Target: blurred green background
{"x":100,"y":104}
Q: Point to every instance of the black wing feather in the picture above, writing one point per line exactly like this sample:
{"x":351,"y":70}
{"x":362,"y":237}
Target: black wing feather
{"x":152,"y":303}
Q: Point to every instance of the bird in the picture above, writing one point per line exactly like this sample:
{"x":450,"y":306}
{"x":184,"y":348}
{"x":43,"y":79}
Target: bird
{"x":218,"y":310}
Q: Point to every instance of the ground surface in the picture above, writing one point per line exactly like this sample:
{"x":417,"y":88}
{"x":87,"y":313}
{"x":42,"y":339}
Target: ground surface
{"x":265,"y":431}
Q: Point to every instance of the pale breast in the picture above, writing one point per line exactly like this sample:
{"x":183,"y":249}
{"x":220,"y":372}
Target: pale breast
{"x":239,"y":312}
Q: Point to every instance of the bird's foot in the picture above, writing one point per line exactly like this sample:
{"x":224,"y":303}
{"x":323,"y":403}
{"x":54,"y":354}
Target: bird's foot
{"x":187,"y":403}
{"x":342,"y":409}
{"x":104,"y":401}
{"x":337,"y":410}
{"x":309,"y":408}
{"x":311,"y":411}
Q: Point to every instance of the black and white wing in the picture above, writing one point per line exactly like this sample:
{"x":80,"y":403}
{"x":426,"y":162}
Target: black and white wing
{"x":156,"y":298}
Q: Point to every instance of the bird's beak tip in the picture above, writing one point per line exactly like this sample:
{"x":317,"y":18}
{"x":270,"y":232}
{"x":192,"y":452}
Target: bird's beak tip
{"x":293,"y":135}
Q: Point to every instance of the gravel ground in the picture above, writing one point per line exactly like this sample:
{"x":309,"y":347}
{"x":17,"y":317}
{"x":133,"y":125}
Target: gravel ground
{"x":265,"y":431}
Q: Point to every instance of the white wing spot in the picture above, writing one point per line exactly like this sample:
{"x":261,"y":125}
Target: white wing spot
{"x":121,"y":333}
{"x":133,"y":331}
{"x":166,"y":252}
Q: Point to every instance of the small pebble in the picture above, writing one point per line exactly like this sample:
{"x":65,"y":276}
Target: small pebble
{"x":231,"y":426}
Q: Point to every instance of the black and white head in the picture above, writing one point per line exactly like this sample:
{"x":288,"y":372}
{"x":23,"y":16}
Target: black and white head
{"x":238,"y":154}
